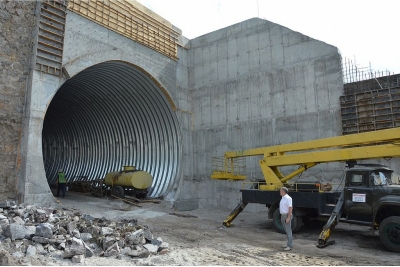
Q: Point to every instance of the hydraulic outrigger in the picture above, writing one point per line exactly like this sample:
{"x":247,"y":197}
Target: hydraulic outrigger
{"x":369,"y":145}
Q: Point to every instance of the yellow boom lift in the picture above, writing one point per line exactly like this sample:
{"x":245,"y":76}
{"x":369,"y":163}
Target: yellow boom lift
{"x":348,"y":148}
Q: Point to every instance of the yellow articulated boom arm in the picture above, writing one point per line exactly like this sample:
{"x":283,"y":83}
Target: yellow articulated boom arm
{"x":369,"y":145}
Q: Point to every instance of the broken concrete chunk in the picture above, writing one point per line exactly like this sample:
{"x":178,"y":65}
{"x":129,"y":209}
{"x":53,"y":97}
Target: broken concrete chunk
{"x":31,"y":209}
{"x":125,"y":251}
{"x":44,"y":230}
{"x":76,"y":248}
{"x":151,"y":248}
{"x":147,"y":234}
{"x":62,"y":246}
{"x":86,"y":237}
{"x":156,"y":242}
{"x":53,"y":219}
{"x":30,"y":232}
{"x":71,"y":227}
{"x":40,"y":211}
{"x":107,"y":242}
{"x":164,"y":245}
{"x":4,"y":223}
{"x":20,"y":212}
{"x":135,"y":238}
{"x":121,"y":243}
{"x":15,"y":231}
{"x":78,"y":259}
{"x":18,"y":220}
{"x":94,"y":231}
{"x":112,"y":251}
{"x":106,"y":231}
{"x":62,"y":231}
{"x":89,"y":252}
{"x":31,"y":251}
{"x":76,"y":233}
{"x":40,"y":250}
{"x":50,"y":249}
{"x":2,"y":217}
{"x":57,"y":254}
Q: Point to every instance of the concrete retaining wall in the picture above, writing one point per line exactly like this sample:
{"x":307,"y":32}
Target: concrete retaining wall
{"x":257,"y":84}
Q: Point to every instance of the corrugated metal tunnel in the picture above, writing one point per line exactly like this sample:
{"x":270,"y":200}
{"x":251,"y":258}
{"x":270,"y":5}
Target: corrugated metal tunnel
{"x":109,"y":115}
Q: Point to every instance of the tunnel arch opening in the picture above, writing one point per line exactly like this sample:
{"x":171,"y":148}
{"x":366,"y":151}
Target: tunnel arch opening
{"x":110,"y":115}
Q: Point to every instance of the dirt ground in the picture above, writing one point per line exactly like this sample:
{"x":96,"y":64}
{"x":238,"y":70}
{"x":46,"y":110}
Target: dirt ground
{"x":202,"y":240}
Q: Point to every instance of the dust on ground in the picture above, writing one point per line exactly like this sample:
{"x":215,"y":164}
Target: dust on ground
{"x":200,"y":238}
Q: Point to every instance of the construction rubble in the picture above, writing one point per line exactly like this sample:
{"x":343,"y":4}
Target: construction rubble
{"x":30,"y":231}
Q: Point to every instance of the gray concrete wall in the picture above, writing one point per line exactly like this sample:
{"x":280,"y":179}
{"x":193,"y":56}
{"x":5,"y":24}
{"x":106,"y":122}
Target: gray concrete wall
{"x":257,"y":84}
{"x":16,"y":36}
{"x":185,"y":117}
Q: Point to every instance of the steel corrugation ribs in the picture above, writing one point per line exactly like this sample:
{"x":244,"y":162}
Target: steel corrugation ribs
{"x":109,"y":115}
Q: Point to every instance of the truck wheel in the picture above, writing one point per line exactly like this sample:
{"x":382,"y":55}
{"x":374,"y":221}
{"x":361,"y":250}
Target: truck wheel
{"x":389,"y":232}
{"x":297,"y":222}
{"x":118,"y":191}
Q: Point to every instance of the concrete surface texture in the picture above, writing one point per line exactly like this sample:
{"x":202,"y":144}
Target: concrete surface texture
{"x":257,"y":84}
{"x":16,"y":24}
{"x":252,"y":84}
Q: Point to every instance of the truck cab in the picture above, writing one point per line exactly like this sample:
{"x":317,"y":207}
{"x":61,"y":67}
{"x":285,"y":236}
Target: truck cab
{"x":364,"y":186}
{"x":371,"y":198}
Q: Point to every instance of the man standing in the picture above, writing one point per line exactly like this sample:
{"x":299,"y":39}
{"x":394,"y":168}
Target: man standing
{"x":61,"y":182}
{"x":286,"y":208}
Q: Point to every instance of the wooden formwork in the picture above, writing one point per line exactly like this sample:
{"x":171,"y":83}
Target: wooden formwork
{"x":130,"y":20}
{"x":50,"y":42}
{"x":371,"y":110}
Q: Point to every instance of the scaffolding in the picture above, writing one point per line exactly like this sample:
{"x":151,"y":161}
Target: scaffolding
{"x":371,"y":99}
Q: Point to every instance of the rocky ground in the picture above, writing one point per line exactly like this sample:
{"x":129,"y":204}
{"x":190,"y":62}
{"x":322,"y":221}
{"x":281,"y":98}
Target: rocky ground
{"x":34,"y":235}
{"x":194,"y":238}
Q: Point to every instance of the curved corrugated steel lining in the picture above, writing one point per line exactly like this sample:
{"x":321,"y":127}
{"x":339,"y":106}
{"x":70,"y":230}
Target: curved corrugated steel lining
{"x":109,"y":115}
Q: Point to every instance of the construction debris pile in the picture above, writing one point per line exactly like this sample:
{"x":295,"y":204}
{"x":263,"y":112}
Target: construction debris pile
{"x":29,"y":231}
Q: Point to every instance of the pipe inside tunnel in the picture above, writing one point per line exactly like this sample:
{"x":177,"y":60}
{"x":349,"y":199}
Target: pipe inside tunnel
{"x":109,"y":115}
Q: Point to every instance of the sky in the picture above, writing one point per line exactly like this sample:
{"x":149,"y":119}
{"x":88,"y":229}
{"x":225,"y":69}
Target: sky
{"x":366,"y":32}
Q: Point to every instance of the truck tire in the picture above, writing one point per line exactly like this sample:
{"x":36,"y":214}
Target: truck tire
{"x":118,"y":191}
{"x":389,"y":233}
{"x":297,"y":222}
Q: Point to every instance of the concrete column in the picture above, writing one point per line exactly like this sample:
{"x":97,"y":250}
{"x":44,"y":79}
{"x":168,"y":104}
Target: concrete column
{"x":32,"y":184}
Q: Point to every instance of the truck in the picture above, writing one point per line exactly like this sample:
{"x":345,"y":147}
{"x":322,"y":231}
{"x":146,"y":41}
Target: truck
{"x":365,"y":195}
